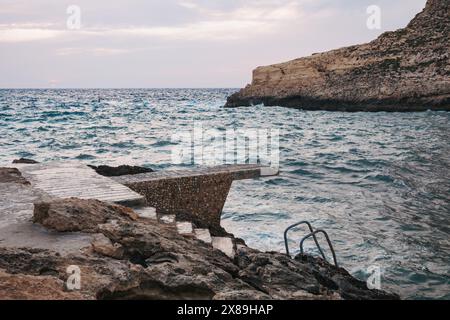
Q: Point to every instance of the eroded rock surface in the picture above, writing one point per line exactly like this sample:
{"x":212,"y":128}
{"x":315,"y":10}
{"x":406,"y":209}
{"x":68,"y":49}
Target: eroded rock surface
{"x":29,"y":287}
{"x":71,"y":215}
{"x":137,"y":258}
{"x":12,"y":175}
{"x":405,"y":70}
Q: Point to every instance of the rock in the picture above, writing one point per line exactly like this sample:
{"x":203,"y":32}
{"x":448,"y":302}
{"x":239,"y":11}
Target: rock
{"x":241,"y":295}
{"x":347,"y":286}
{"x":135,"y":258}
{"x":26,"y":287}
{"x":12,"y":175}
{"x":102,"y":245}
{"x":405,"y":70}
{"x":72,"y":215}
{"x":124,"y":170}
{"x":303,"y":278}
{"x":24,"y":161}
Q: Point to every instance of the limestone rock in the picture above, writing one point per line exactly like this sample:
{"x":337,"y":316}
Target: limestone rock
{"x":341,"y":281}
{"x":405,"y":70}
{"x":145,"y":259}
{"x":71,"y":215}
{"x":26,"y":287}
{"x":303,"y":278}
{"x":102,"y":245}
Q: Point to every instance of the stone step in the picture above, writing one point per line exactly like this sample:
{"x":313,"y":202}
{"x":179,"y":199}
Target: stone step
{"x":269,"y":171}
{"x":225,"y":245}
{"x":167,"y":218}
{"x":146,"y":213}
{"x":185,"y":228}
{"x":203,"y":235}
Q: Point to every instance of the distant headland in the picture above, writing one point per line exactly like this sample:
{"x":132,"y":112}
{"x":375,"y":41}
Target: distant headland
{"x":404,"y":70}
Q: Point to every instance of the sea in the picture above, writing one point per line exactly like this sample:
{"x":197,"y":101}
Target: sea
{"x":377,"y":183}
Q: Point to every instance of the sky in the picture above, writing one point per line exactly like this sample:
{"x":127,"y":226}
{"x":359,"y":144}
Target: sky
{"x":175,"y":43}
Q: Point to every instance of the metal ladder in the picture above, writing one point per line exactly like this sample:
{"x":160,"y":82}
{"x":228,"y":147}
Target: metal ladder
{"x":312,"y":234}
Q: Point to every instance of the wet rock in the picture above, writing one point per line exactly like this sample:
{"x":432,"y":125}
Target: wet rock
{"x":123,"y":170}
{"x":404,"y":70}
{"x":24,"y":161}
{"x":341,"y":281}
{"x":12,"y":175}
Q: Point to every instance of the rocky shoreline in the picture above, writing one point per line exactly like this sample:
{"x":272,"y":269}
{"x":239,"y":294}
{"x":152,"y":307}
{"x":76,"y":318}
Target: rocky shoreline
{"x":122,"y":255}
{"x":406,"y":70}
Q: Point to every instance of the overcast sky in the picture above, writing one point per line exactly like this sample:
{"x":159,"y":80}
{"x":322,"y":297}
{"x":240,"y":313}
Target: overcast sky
{"x":175,"y":43}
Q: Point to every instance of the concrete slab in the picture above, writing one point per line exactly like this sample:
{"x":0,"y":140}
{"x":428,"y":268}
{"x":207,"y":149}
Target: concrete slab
{"x":18,"y":231}
{"x":29,"y":235}
{"x":72,"y":179}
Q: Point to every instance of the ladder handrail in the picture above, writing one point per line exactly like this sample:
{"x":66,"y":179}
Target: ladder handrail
{"x":313,"y":234}
{"x":310,"y":229}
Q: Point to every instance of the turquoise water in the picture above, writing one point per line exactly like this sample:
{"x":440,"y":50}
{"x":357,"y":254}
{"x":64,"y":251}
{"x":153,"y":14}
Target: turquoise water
{"x":378,"y":183}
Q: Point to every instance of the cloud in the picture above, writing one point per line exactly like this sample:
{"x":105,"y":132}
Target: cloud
{"x":244,"y":21}
{"x":99,"y":52}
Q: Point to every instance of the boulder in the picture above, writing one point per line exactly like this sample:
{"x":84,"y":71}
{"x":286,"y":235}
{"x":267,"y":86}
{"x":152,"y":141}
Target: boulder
{"x":72,"y":215}
{"x":103,"y":246}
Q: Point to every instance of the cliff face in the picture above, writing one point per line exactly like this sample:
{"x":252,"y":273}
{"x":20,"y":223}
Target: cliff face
{"x":405,"y":70}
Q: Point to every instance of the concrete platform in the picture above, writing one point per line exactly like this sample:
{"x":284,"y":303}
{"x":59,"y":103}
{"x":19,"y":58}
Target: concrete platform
{"x":71,"y":179}
{"x":236,"y":172}
{"x":197,"y":194}
{"x":18,"y":231}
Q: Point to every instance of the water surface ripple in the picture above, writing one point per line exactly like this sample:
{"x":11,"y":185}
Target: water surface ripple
{"x":377,"y":182}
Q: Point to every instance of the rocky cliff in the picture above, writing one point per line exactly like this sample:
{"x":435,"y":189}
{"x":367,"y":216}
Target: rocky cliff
{"x":404,"y":70}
